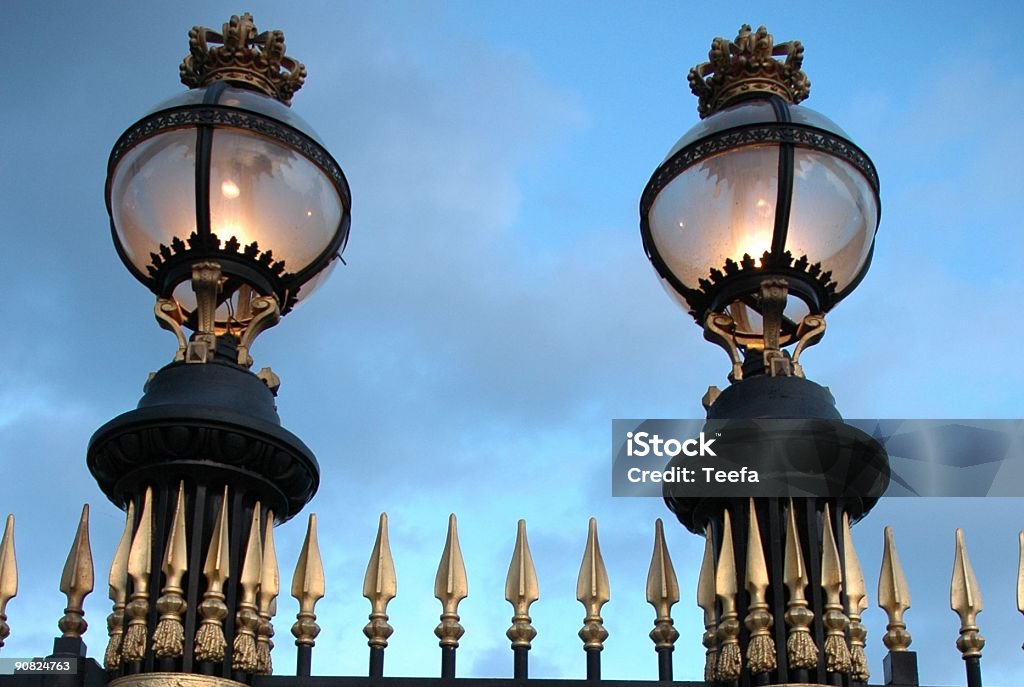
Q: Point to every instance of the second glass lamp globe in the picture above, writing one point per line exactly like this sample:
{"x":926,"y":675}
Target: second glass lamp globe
{"x":762,"y":188}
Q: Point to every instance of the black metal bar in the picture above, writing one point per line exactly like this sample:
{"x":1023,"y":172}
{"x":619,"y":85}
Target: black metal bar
{"x":520,"y":664}
{"x":973,"y":666}
{"x":900,"y":669}
{"x":665,"y":664}
{"x":447,"y":663}
{"x":376,"y":662}
{"x":303,"y":660}
{"x":593,"y":664}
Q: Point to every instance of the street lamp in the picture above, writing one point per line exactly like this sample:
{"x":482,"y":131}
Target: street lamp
{"x":222,"y":201}
{"x":763,"y":215}
{"x":760,"y":220}
{"x":227,"y":206}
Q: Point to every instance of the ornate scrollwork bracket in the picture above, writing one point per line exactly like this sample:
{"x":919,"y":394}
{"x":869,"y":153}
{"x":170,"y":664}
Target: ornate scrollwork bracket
{"x":735,"y":334}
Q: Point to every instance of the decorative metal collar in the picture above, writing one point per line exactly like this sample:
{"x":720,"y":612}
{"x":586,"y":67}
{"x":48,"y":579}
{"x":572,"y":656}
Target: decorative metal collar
{"x":244,"y":57}
{"x":745,"y":66}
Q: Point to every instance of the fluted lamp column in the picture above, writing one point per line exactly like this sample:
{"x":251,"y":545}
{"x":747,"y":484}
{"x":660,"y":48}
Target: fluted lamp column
{"x":227,"y":206}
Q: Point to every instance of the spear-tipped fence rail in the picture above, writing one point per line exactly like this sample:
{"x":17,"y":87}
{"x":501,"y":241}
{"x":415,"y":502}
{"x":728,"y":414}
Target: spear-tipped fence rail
{"x":168,"y":636}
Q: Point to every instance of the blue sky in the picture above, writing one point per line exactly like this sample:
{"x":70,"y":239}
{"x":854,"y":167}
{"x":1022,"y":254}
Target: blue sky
{"x":497,"y":310}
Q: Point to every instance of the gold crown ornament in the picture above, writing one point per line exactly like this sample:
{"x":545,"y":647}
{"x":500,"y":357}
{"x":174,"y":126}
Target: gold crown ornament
{"x":244,"y":57}
{"x":747,"y":66}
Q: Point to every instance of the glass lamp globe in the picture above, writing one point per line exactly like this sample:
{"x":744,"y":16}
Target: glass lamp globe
{"x":227,"y":174}
{"x":761,"y":189}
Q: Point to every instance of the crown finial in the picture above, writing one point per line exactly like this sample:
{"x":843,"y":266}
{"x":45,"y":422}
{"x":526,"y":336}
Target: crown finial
{"x":744,"y":66}
{"x":244,"y":57}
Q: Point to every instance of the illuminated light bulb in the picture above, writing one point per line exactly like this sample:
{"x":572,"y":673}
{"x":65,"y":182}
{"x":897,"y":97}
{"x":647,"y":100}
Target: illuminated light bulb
{"x":229,"y":189}
{"x":755,"y":240}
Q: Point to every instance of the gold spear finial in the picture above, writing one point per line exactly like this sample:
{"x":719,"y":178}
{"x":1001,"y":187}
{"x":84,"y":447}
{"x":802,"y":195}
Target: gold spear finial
{"x":247,"y":619}
{"x":593,"y":591}
{"x":521,"y":590}
{"x":139,"y":566}
{"x":210,"y":642}
{"x":308,"y":587}
{"x":380,"y":586}
{"x":893,"y":596}
{"x":169,"y":636}
{"x":8,"y":576}
{"x":761,"y":656}
{"x":856,"y":603}
{"x":450,"y":587}
{"x":965,"y":600}
{"x":800,"y":648}
{"x":730,"y":660}
{"x":76,"y":582}
{"x":118,"y":593}
{"x":837,"y":654}
{"x":706,"y":600}
{"x":662,"y":591}
{"x":270,"y":587}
